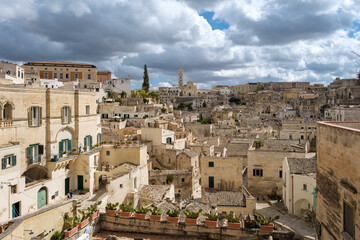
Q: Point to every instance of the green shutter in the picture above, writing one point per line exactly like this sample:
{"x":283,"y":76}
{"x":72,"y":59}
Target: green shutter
{"x":13,"y":160}
{"x":3,"y":163}
{"x":30,"y":116}
{"x":90,"y":141}
{"x":85,"y":141}
{"x":60,"y":148}
{"x":40,"y":116}
{"x":29,"y":152}
{"x":41,"y":149}
{"x":69,"y":145}
{"x":62,"y":115}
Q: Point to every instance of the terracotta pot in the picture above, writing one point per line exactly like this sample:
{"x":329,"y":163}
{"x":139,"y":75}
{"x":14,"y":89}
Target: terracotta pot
{"x":111,"y":212}
{"x":140,"y":216}
{"x":210,"y":223}
{"x":83,"y":223}
{"x":267,"y":228}
{"x":172,"y":219}
{"x":125,"y":214}
{"x":234,"y":225}
{"x":155,"y":217}
{"x":94,"y":215}
{"x":190,"y":221}
{"x":71,"y":232}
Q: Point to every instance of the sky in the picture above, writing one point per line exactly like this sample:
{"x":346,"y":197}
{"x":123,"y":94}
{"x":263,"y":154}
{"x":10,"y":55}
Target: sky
{"x":224,"y":42}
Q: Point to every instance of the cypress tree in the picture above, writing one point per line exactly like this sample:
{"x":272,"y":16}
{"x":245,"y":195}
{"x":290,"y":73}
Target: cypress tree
{"x":146,"y":84}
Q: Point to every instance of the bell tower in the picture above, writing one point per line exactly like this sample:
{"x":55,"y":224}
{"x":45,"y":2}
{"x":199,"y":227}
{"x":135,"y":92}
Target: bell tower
{"x":181,"y":78}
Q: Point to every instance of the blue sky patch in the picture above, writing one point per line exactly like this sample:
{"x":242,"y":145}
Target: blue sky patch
{"x":354,"y":29}
{"x":216,"y":23}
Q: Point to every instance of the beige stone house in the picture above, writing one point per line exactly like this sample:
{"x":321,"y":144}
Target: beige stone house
{"x":337,"y":180}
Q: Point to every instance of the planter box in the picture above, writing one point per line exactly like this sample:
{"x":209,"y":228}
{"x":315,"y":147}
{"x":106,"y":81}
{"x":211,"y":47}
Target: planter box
{"x":172,"y":219}
{"x":83,"y":223}
{"x":140,"y":216}
{"x":71,"y":232}
{"x":210,"y":223}
{"x":191,"y":221}
{"x":94,"y":215}
{"x":111,"y":212}
{"x":234,"y":225}
{"x":267,"y":228}
{"x":155,"y":217}
{"x":125,"y":214}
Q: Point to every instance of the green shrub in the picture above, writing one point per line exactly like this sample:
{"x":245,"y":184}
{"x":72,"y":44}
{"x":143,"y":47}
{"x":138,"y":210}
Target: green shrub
{"x":192,"y":215}
{"x":56,"y":236}
{"x":232,"y":218}
{"x":212,"y":216}
{"x":173,"y":213}
{"x":155,"y":210}
{"x":127,"y":207}
{"x":142,"y":210}
{"x":262,"y":220}
{"x":111,"y":206}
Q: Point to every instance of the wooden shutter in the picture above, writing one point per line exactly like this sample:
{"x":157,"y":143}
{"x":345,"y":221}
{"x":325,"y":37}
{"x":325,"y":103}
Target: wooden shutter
{"x":3,"y":163}
{"x":40,"y":116}
{"x":85,"y":141}
{"x":29,"y":152}
{"x":41,"y":149}
{"x":61,"y":148}
{"x":90,"y":141}
{"x":13,"y":160}
{"x":30,"y":116}
{"x":69,"y":145}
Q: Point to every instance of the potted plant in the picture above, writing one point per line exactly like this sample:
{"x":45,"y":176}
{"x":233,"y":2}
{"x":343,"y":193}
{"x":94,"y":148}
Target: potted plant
{"x":140,"y":213}
{"x":155,"y":213}
{"x":211,"y":219}
{"x":56,"y":236}
{"x":191,"y":217}
{"x":84,"y":219}
{"x":72,"y":225}
{"x":93,"y":210}
{"x":233,"y":221}
{"x":266,"y":224}
{"x":111,"y":209}
{"x":126,"y":210}
{"x":85,"y":148}
{"x":173,"y":215}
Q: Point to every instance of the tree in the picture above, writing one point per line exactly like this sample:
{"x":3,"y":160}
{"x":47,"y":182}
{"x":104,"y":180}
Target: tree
{"x":146,"y":84}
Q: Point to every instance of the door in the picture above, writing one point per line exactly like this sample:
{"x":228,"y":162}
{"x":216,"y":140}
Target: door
{"x":80,"y":182}
{"x":211,"y":182}
{"x":67,"y":186}
{"x":41,"y":198}
{"x":16,"y":210}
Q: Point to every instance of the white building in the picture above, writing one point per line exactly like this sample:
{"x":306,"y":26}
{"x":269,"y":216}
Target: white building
{"x":299,"y":183}
{"x":118,"y":85}
{"x":12,"y":72}
{"x":51,"y":83}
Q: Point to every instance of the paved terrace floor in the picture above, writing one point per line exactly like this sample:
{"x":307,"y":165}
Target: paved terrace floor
{"x":130,"y":236}
{"x":295,"y":223}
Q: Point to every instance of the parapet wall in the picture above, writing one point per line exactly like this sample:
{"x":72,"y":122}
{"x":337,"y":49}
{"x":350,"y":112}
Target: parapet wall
{"x":118,"y":224}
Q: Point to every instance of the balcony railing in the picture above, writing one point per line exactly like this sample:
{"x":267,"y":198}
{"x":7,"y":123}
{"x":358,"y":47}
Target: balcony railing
{"x":6,"y":124}
{"x":35,"y":159}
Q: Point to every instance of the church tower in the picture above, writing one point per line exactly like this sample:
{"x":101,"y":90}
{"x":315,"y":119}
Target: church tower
{"x":181,"y":78}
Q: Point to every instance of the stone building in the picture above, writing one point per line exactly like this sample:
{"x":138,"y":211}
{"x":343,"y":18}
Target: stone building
{"x":103,"y":75}
{"x":118,"y":85}
{"x":337,"y":180}
{"x":299,"y":182}
{"x":64,"y":71}
{"x":12,"y":72}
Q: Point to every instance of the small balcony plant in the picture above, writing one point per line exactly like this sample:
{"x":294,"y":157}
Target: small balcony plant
{"x":111,"y":209}
{"x":173,"y":215}
{"x":85,"y":148}
{"x":155,"y":213}
{"x":211,"y":219}
{"x":140,"y":213}
{"x":191,"y":217}
{"x":94,"y":213}
{"x":233,"y":221}
{"x":266,"y":224}
{"x":84,"y":219}
{"x":72,"y":227}
{"x":126,"y":210}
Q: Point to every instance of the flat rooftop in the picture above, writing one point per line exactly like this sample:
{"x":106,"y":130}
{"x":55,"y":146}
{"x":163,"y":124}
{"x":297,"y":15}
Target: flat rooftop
{"x":350,"y":126}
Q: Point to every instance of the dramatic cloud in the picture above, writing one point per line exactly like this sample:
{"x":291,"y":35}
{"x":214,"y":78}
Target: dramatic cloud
{"x":276,"y":40}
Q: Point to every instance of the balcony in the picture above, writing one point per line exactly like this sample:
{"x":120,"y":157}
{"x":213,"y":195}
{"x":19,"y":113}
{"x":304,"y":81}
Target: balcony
{"x":35,"y":159}
{"x":6,"y":123}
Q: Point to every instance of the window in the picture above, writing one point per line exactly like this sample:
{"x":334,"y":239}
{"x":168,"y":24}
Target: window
{"x":35,"y":116}
{"x":8,"y":161}
{"x":98,"y":138}
{"x":34,"y":153}
{"x":65,"y":114}
{"x":305,"y":187}
{"x":107,"y":153}
{"x":211,"y":164}
{"x":61,"y":75}
{"x":87,"y":109}
{"x":121,"y":185}
{"x":55,"y":75}
{"x":64,"y":146}
{"x":280,"y":174}
{"x":257,"y":172}
{"x":211,"y":182}
{"x":302,"y":137}
{"x":183,"y":180}
{"x":67,"y":76}
{"x":88,"y":141}
{"x":89,"y":76}
{"x":14,"y":188}
{"x":46,"y":75}
{"x":76,"y":75}
{"x":348,"y":218}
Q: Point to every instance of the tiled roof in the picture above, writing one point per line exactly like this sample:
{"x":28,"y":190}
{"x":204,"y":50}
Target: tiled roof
{"x":302,"y":165}
{"x":225,"y":198}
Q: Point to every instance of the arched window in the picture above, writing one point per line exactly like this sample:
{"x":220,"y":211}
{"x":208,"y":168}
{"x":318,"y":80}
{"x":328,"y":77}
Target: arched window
{"x":7,"y":112}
